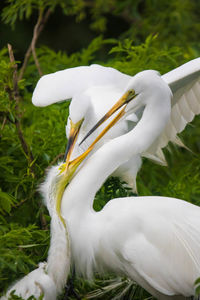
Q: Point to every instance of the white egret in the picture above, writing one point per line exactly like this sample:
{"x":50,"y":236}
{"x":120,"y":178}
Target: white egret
{"x":49,"y":278}
{"x":131,"y":236}
{"x":153,"y":240}
{"x":94,"y":90}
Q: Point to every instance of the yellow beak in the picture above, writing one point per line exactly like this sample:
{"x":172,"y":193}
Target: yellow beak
{"x":69,"y":167}
{"x":74,"y":130}
{"x":125,"y":99}
{"x":73,"y":165}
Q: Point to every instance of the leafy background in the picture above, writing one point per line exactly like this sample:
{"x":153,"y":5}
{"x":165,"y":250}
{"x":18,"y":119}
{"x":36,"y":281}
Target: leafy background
{"x":128,"y":35}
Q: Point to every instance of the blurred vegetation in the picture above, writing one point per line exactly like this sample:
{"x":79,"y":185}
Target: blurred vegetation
{"x":128,"y":35}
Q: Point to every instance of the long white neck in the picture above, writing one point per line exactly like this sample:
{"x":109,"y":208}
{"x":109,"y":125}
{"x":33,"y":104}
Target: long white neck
{"x":58,"y":261}
{"x":79,"y":194}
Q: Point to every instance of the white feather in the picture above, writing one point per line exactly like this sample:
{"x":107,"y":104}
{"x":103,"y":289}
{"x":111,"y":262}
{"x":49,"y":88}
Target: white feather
{"x":95,"y":89}
{"x":50,"y":278}
{"x":36,"y":283}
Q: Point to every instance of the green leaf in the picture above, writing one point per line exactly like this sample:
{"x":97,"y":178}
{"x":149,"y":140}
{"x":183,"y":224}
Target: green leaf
{"x":6,"y":202}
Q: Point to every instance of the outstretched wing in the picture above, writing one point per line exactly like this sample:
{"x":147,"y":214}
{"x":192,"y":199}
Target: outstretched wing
{"x":65,"y":84}
{"x":184,"y":82}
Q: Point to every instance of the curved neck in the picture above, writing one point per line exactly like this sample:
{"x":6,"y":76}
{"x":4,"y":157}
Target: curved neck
{"x":78,"y":196}
{"x":59,"y":255}
{"x":58,"y":261}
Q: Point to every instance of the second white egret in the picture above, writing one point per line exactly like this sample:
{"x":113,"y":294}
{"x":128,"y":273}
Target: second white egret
{"x":153,"y":240}
{"x":95,"y":89}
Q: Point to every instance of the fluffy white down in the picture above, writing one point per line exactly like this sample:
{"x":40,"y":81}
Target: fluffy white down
{"x":59,"y":255}
{"x":49,"y":278}
{"x":36,"y":283}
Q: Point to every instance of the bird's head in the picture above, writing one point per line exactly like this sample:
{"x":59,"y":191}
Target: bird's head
{"x":141,"y":90}
{"x":138,"y":93}
{"x":147,"y":85}
{"x":80,"y":111}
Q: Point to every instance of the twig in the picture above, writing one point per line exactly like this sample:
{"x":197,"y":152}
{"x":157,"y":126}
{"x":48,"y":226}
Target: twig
{"x":39,"y":28}
{"x":43,"y":221}
{"x":15,"y":80}
{"x":43,"y":21}
{"x":14,"y":94}
{"x":26,"y":58}
{"x":35,"y":37}
{"x":3,"y":123}
{"x":21,"y":202}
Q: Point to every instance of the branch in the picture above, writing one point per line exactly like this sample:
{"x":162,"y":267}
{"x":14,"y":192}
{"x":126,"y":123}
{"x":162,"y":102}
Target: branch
{"x":3,"y":125}
{"x":15,"y":80}
{"x":36,"y":33}
{"x":26,"y":58}
{"x":14,"y":94}
{"x":34,"y":39}
{"x":43,"y":221}
{"x":43,"y":21}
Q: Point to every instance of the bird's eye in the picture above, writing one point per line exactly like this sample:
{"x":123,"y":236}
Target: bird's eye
{"x":131,"y":92}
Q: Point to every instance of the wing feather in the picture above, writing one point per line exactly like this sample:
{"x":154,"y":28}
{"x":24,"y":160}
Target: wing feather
{"x":185,"y":85}
{"x":65,"y":84}
{"x":196,"y":90}
{"x":185,"y":110}
{"x":177,"y":119}
{"x":194,"y":104}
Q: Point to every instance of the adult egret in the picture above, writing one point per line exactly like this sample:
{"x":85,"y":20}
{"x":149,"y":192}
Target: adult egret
{"x":124,"y":236}
{"x":49,"y":278}
{"x":153,"y":240}
{"x":94,"y":90}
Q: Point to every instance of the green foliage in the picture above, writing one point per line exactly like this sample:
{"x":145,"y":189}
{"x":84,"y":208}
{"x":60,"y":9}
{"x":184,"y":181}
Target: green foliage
{"x":130,"y":58}
{"x":15,"y":297}
{"x":158,"y":38}
{"x":19,"y":250}
{"x":20,"y":9}
{"x":197,"y":285}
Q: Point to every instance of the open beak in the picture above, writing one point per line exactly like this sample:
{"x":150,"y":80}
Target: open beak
{"x":71,"y":166}
{"x":125,"y":99}
{"x":74,"y":130}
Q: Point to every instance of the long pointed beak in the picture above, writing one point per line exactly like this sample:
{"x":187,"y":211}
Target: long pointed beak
{"x":69,"y":167}
{"x":125,"y":99}
{"x":74,"y":130}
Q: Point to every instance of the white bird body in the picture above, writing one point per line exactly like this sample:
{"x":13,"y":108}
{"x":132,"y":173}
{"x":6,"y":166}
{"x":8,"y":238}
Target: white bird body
{"x":131,"y":236}
{"x":153,"y":240}
{"x":94,"y":89}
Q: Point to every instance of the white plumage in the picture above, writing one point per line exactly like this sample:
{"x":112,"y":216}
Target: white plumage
{"x":49,"y":278}
{"x":36,"y":283}
{"x":153,"y":240}
{"x":95,"y":89}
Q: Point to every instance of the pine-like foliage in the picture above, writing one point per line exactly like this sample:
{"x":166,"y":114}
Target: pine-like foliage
{"x":161,"y":35}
